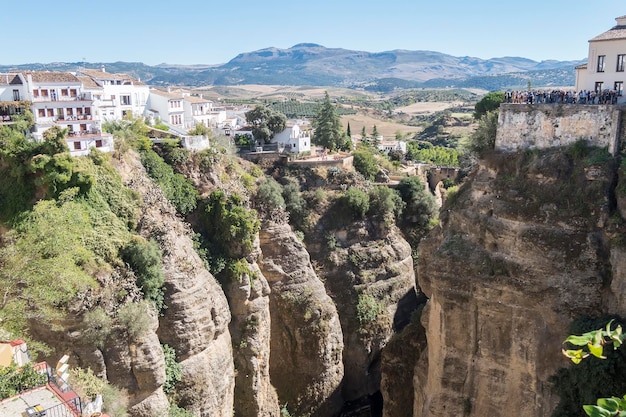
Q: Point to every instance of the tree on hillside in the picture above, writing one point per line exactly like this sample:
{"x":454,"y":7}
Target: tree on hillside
{"x":328,"y":130}
{"x":348,"y":132}
{"x":365,"y":163}
{"x":265,"y":122}
{"x":420,"y":208}
{"x":363,"y":133}
{"x":375,"y":132}
{"x":489,"y":102}
{"x":484,"y":137}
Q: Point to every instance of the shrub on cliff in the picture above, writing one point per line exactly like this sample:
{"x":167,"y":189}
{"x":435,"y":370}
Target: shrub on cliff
{"x":484,"y":137}
{"x":490,"y":102}
{"x":178,"y":189}
{"x":144,"y":257}
{"x":357,"y":202}
{"x":420,"y":208}
{"x":230,"y":226}
{"x":365,"y":163}
{"x":296,"y":205}
{"x":384,"y":201}
{"x":269,"y":198}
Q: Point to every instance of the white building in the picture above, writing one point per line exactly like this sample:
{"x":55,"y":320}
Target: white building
{"x":199,"y":110}
{"x":167,"y":106}
{"x":11,"y":94}
{"x":58,"y":99}
{"x":294,"y":139}
{"x":115,"y":95}
{"x":606,"y":64}
{"x":387,"y":146}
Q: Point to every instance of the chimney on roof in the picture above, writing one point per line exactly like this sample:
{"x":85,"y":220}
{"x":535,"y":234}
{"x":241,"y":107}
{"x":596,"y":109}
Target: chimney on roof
{"x":102,"y":68}
{"x":621,"y":21}
{"x":169,"y":89}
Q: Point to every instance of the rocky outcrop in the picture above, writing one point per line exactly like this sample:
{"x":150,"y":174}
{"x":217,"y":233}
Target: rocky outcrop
{"x":195,"y":322}
{"x":398,"y":365}
{"x":520,"y":252}
{"x":368,"y":274}
{"x":306,"y":364}
{"x":248,"y":296}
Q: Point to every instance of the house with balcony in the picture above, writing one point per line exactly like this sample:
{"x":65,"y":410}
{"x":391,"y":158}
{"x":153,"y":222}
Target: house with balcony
{"x":606,"y":65}
{"x":12,"y":101}
{"x":117,"y":94}
{"x":199,"y":110}
{"x":57,"y":98}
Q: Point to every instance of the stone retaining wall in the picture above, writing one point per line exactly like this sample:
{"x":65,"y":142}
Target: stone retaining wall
{"x":532,"y":126}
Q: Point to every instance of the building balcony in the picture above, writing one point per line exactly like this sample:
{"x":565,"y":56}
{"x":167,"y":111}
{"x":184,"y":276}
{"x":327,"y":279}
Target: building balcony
{"x":44,"y":99}
{"x":69,"y":119}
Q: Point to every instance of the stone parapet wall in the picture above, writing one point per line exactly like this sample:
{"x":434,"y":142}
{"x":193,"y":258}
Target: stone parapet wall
{"x":539,"y":126}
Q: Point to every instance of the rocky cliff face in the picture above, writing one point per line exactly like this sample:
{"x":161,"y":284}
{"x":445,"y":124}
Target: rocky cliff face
{"x":524,"y":248}
{"x":196,"y":321}
{"x":248,"y":296}
{"x":306,"y":364}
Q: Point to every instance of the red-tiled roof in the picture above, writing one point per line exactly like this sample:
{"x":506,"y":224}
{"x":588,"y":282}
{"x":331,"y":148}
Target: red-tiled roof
{"x":616,"y":32}
{"x":52,"y":77}
{"x":102,"y":75}
{"x":10,"y":79}
{"x":171,"y":96}
{"x":88,"y":82}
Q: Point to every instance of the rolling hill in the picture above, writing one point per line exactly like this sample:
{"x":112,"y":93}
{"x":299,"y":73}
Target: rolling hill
{"x":312,"y":64}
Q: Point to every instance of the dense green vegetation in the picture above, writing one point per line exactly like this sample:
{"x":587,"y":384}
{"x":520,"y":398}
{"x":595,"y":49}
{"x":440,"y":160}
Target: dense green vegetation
{"x":295,"y":109}
{"x":484,"y":137}
{"x":365,"y":163}
{"x":14,"y":380}
{"x":435,"y":155}
{"x":144,"y":257}
{"x":419,"y":209}
{"x":490,"y":102}
{"x":265,"y":122}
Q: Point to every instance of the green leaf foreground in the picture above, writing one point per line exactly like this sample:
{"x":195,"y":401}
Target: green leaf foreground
{"x":592,"y":343}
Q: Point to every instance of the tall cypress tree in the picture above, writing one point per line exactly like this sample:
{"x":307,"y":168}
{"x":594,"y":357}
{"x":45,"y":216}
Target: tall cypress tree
{"x":328,"y":130}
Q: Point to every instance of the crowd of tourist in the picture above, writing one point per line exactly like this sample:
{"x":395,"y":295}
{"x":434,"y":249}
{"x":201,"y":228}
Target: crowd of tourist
{"x":561,"y":97}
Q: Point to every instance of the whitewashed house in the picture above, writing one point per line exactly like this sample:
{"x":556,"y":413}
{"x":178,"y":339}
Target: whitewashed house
{"x":167,"y":106}
{"x":118,"y":95}
{"x":58,"y":99}
{"x":606,"y":64}
{"x":387,"y":146}
{"x":11,"y":94}
{"x":198,"y":110}
{"x":296,"y":138}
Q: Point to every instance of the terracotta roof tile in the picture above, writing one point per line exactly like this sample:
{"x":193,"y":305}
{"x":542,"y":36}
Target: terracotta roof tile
{"x":171,"y":96}
{"x":102,"y":75}
{"x":195,"y":99}
{"x":52,"y":77}
{"x":9,"y":79}
{"x":88,"y":82}
{"x":617,"y":32}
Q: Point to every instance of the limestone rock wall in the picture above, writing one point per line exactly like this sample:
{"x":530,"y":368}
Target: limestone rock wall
{"x":196,"y":321}
{"x":248,"y":296}
{"x":306,"y":362}
{"x":522,"y":126}
{"x":520,"y":253}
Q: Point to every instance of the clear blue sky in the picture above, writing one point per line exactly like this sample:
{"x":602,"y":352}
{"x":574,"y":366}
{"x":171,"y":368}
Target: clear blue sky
{"x":213,"y":32}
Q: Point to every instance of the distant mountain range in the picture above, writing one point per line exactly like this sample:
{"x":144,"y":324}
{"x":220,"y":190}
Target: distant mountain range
{"x":312,"y":64}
